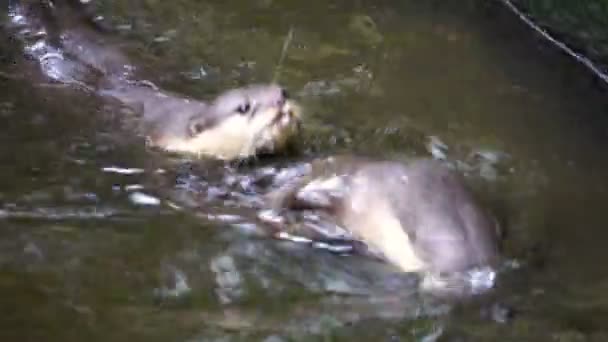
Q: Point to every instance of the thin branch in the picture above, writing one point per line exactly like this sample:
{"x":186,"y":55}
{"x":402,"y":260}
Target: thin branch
{"x":562,"y":46}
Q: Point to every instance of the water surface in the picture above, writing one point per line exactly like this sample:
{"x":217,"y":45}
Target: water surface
{"x":80,"y":260}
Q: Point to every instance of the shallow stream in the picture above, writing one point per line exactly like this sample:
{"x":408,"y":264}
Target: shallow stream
{"x":81,"y":259}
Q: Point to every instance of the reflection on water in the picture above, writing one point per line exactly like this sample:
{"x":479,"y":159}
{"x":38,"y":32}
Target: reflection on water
{"x":459,"y":80}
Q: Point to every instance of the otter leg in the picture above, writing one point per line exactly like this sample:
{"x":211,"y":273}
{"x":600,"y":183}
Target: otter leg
{"x":301,"y":212}
{"x":319,"y":194}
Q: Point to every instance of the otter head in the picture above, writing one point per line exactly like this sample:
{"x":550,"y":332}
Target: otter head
{"x":240,"y":123}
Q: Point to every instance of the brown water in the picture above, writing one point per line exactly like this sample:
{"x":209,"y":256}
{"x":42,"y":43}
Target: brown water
{"x":80,"y":261}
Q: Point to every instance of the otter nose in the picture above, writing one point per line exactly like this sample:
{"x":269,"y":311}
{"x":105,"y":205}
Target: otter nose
{"x":284,"y":93}
{"x":282,"y":97}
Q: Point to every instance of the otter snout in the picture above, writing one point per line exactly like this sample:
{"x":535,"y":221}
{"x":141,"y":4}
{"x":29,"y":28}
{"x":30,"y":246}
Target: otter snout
{"x":275,"y":96}
{"x":278,"y":96}
{"x":283,"y":97}
{"x":288,"y":112}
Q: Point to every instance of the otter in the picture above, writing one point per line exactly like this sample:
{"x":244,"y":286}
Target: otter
{"x":419,"y":215}
{"x":237,"y":124}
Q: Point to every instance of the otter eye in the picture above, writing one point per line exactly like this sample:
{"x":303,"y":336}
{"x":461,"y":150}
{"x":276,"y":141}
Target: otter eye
{"x":243,"y":108}
{"x":196,"y":128}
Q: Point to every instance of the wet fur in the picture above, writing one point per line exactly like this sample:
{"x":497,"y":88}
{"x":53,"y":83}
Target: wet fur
{"x":419,"y":215}
{"x":168,"y":121}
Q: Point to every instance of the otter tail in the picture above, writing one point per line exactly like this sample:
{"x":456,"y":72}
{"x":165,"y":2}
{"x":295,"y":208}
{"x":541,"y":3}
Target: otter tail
{"x":65,"y":43}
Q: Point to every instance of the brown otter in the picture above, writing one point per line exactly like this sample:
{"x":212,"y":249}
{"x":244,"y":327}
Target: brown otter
{"x":418,"y":215}
{"x":239,"y":123}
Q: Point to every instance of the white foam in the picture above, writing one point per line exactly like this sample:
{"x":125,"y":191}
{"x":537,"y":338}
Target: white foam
{"x":143,"y":199}
{"x":122,"y":170}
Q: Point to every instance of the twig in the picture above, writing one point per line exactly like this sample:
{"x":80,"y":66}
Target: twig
{"x":562,"y":46}
{"x":286,"y":44}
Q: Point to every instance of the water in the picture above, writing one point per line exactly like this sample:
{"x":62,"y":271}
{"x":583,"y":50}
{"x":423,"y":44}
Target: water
{"x":80,"y":260}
